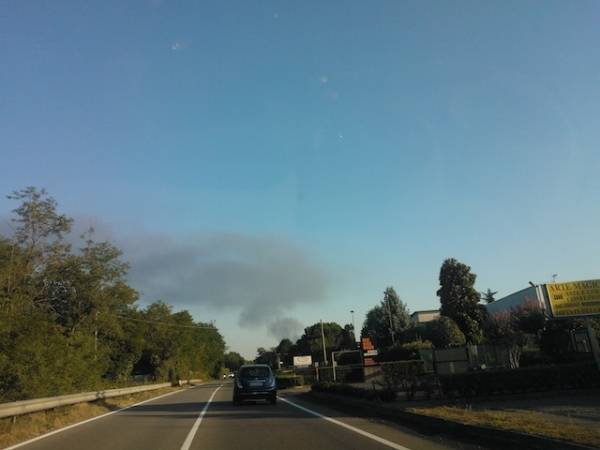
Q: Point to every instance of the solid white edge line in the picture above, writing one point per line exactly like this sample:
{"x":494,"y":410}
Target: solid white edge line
{"x":50,"y":433}
{"x":190,"y":437}
{"x":345,"y":425}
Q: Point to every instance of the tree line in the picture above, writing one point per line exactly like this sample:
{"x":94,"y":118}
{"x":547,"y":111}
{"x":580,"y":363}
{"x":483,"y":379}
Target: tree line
{"x":335,"y":337}
{"x":463,"y":320}
{"x":69,"y":320}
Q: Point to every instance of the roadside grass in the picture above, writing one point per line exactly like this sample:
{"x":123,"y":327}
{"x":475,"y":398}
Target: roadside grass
{"x":31,"y":425}
{"x":530,"y":422}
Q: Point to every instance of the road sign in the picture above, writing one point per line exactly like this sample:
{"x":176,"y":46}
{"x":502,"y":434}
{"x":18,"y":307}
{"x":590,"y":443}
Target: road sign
{"x":370,"y":362}
{"x":302,"y":361}
{"x":575,"y":298}
{"x":366,"y":344}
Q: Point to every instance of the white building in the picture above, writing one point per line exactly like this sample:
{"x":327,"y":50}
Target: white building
{"x":532,"y":295}
{"x":424,"y":316}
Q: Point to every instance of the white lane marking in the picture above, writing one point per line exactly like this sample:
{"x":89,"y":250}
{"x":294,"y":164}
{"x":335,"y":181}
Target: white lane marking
{"x":345,"y":425}
{"x":192,"y":433}
{"x":21,"y":444}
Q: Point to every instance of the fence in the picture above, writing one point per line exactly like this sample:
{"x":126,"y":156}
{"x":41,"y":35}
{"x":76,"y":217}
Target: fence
{"x":345,"y":374}
{"x":465,"y":358}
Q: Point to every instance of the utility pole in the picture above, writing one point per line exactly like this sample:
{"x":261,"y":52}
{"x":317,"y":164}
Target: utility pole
{"x":323,"y":343}
{"x":389,"y":308}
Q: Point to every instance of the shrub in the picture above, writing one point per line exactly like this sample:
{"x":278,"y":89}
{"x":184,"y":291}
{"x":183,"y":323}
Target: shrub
{"x":520,"y":380}
{"x":409,"y":377}
{"x":443,"y":333}
{"x":288,"y":381}
{"x":347,"y":390}
{"x":403,"y":352}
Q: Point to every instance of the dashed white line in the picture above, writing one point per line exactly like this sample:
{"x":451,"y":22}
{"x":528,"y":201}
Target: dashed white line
{"x":346,"y":426}
{"x":190,"y":437}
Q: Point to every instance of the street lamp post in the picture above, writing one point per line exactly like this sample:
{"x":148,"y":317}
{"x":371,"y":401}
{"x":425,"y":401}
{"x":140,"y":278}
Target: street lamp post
{"x":353,"y":328}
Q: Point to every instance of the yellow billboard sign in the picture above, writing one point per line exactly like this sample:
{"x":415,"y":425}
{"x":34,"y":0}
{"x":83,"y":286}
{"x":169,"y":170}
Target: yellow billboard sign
{"x":575,"y":298}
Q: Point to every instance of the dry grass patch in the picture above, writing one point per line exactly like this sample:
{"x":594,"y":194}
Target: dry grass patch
{"x":530,"y":422}
{"x":35,"y":424}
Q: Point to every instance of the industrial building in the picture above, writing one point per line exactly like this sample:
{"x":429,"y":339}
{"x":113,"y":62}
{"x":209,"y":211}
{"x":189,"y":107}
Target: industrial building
{"x":427,"y":315}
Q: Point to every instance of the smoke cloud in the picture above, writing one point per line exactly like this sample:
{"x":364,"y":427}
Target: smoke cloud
{"x":286,"y":327}
{"x":263,"y":277}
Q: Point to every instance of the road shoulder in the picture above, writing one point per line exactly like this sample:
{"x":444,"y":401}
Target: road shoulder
{"x":430,"y":425}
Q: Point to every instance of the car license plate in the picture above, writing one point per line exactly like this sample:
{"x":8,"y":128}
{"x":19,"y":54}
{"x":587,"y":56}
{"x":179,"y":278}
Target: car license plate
{"x":256,"y":383}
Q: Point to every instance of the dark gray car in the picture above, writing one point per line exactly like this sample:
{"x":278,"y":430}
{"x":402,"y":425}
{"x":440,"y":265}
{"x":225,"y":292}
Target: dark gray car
{"x":254,"y":382}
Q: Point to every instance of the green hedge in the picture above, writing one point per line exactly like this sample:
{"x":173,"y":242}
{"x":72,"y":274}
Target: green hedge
{"x":581,"y":375}
{"x":385,"y":395}
{"x":288,"y":381}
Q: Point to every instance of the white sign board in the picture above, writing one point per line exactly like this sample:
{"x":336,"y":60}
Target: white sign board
{"x":302,"y":361}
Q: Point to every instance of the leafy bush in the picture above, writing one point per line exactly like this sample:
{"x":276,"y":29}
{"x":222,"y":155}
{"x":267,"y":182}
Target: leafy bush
{"x":403,"y":351}
{"x":408,"y":377}
{"x":443,"y":333}
{"x":520,"y":380}
{"x":288,"y":381}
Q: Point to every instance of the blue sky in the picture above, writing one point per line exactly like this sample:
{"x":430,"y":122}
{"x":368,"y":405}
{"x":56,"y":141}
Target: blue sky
{"x":363,"y":141}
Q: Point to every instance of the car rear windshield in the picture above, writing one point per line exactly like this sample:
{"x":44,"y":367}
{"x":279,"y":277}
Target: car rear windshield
{"x":255,"y":372}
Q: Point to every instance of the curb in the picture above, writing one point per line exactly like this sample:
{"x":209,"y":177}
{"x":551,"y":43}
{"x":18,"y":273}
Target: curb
{"x":428,"y":424}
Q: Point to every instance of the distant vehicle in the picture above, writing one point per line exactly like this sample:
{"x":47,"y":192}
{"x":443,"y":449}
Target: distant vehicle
{"x":253,"y":382}
{"x":231,"y":375}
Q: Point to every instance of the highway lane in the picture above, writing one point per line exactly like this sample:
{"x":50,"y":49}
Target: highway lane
{"x":186,"y":420}
{"x":158,"y":424}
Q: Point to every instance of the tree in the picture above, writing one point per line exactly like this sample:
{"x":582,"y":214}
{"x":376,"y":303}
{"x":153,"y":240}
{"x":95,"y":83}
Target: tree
{"x":233,"y":361}
{"x":347,"y":340}
{"x":385,"y":322}
{"x":488,"y":296}
{"x":311,"y":343}
{"x":68,"y":320}
{"x":174,"y":346}
{"x":403,"y":351}
{"x":268,"y":357}
{"x":530,"y":318}
{"x":503,"y":329}
{"x":284,"y":349}
{"x":443,"y":333}
{"x":459,"y":299}
{"x":40,"y":229}
{"x":512,"y":329}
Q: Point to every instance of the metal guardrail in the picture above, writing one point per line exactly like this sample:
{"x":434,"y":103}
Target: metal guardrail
{"x":21,"y":407}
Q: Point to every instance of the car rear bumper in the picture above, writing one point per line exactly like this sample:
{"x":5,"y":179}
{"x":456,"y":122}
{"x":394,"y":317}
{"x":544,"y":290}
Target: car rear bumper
{"x":258,"y":394}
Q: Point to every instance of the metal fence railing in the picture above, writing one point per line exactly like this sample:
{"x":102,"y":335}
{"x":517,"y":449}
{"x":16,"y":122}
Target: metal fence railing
{"x":21,"y":407}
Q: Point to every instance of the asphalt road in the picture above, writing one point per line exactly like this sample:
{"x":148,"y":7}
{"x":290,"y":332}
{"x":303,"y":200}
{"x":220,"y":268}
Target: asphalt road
{"x":205,"y":418}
